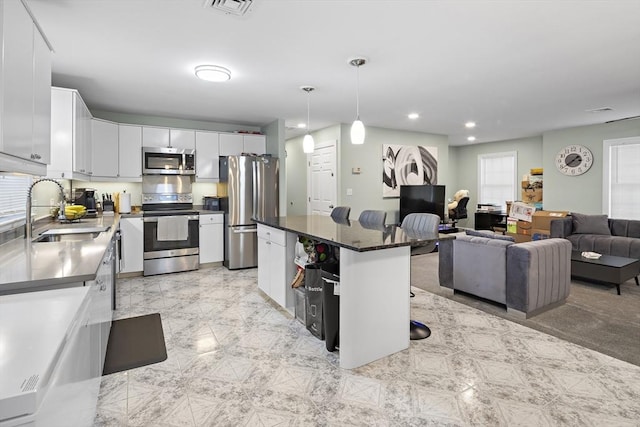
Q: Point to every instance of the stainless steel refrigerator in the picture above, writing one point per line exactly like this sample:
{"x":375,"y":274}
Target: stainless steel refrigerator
{"x":251,"y":192}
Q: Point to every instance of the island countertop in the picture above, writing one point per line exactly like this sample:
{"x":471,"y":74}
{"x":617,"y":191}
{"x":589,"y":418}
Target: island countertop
{"x":351,"y":234}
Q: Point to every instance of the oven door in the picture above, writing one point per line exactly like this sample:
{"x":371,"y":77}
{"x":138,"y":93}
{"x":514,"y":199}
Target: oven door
{"x":171,"y":235}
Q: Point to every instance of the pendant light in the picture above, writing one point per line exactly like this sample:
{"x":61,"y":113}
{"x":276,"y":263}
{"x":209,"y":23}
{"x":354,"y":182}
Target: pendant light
{"x":357,"y":128}
{"x":307,"y":143}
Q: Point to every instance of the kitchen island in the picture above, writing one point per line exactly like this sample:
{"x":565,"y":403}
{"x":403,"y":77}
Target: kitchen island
{"x":374,"y":279}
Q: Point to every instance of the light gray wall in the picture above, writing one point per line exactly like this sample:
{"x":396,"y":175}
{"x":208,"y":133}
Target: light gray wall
{"x":466,"y":167}
{"x":582,"y":193}
{"x":274,"y":133}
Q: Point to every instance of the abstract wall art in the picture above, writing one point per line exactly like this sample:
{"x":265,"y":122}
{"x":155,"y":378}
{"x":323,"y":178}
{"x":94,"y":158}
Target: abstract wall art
{"x":407,"y":165}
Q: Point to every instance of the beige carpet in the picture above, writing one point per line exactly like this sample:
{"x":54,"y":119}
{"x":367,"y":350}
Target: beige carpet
{"x":594,"y":316}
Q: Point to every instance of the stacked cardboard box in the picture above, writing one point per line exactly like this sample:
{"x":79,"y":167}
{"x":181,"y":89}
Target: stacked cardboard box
{"x":541,"y":224}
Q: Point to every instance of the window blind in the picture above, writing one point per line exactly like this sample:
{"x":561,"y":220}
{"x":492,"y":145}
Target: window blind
{"x":624,"y":181}
{"x":497,"y":178}
{"x":13,"y":195}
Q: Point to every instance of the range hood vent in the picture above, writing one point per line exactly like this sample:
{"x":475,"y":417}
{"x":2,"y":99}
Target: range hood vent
{"x":233,"y":7}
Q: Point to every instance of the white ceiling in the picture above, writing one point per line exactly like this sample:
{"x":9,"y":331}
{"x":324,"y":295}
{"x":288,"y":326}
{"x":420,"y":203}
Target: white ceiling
{"x":517,"y":68}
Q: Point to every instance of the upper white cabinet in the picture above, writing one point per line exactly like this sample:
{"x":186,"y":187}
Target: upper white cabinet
{"x":155,"y":137}
{"x":130,"y":153}
{"x":207,"y":153}
{"x":104,"y":149}
{"x":70,"y":135}
{"x":237,"y":143}
{"x":25,"y":81}
{"x":182,"y":138}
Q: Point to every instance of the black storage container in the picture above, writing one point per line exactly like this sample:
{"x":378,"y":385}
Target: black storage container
{"x":331,"y":304}
{"x":313,"y":299}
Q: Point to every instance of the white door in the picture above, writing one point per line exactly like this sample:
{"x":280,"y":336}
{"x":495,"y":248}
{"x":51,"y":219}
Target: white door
{"x":322,"y":179}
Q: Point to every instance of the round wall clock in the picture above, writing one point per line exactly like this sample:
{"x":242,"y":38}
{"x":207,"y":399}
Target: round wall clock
{"x":574,"y":160}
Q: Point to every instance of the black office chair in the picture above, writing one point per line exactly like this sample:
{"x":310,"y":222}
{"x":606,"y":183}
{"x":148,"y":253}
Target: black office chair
{"x":372,"y":219}
{"x":420,"y":226}
{"x":460,"y":211}
{"x":341,"y":213}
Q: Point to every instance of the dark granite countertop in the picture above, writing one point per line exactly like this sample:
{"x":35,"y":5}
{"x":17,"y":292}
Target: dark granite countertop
{"x":350,"y":234}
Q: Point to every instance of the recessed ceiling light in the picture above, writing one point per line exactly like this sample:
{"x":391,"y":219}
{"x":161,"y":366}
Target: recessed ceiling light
{"x":212,"y":73}
{"x":471,"y":138}
{"x":302,"y":125}
{"x":413,"y":116}
{"x":470,"y":125}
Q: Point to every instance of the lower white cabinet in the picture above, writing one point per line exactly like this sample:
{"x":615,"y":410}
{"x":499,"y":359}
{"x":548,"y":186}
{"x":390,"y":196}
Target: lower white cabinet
{"x":275,"y":264}
{"x":211,"y":238}
{"x":132,"y":245}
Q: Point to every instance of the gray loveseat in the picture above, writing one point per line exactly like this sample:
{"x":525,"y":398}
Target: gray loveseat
{"x":597,"y":233}
{"x":528,"y":278}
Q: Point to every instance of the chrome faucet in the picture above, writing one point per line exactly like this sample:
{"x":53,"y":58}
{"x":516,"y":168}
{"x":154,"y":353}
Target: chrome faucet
{"x":28,"y":225}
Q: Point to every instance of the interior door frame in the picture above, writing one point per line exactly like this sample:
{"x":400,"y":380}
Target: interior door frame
{"x":323,"y":144}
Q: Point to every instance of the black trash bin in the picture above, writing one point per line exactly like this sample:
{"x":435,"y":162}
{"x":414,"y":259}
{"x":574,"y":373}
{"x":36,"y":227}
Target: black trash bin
{"x":313,"y":300}
{"x":331,"y":304}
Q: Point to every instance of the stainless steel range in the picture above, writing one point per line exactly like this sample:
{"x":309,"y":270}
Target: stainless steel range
{"x":171,"y":226}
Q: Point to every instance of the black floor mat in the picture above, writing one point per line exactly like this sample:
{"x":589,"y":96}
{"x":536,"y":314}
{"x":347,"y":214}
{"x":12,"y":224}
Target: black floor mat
{"x":135,"y":342}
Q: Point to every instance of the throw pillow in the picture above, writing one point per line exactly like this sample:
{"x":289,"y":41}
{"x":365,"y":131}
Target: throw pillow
{"x":590,"y":224}
{"x":489,"y":235}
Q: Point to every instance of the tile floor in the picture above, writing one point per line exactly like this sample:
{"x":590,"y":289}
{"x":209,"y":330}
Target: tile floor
{"x":236,"y":360}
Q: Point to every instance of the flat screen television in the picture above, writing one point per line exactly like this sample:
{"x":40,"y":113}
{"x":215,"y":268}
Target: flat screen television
{"x":422,"y":198}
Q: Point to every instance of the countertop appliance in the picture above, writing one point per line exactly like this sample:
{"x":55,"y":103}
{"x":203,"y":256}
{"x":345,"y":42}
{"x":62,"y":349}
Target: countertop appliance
{"x":252,"y":192}
{"x":168,"y":161}
{"x":87,"y":198}
{"x":171,"y":227}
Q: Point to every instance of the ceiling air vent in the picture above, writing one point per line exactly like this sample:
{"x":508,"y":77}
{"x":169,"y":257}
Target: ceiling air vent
{"x":234,"y":7}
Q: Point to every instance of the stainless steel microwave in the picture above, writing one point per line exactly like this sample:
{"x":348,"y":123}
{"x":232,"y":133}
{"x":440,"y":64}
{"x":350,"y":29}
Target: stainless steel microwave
{"x":168,"y":161}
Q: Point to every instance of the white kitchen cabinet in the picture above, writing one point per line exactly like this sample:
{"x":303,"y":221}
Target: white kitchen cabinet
{"x":104,"y":150}
{"x":155,"y":137}
{"x":129,"y":153}
{"x":276,"y":268}
{"x":211,"y":238}
{"x":132,"y":245}
{"x":207,"y":155}
{"x":256,"y":144}
{"x":70,"y":135}
{"x":25,"y":79}
{"x":182,"y":138}
{"x":231,"y":144}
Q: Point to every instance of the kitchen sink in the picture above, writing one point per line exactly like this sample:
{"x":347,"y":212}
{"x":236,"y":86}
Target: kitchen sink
{"x":71,"y":234}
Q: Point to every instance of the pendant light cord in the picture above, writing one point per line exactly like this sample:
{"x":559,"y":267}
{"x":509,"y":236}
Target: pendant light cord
{"x":308,"y":111}
{"x":358,"y":92}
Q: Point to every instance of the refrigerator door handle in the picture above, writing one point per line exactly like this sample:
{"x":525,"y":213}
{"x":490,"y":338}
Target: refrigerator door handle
{"x":244,"y":230}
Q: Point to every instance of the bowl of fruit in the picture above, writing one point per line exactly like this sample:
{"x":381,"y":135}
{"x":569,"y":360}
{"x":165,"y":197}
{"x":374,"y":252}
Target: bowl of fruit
{"x":73,"y":212}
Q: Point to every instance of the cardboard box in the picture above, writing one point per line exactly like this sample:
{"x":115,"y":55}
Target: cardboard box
{"x":542,"y":219}
{"x":537,"y":234}
{"x":532,"y":195}
{"x":520,"y":238}
{"x":524,"y":227}
{"x":522,"y":211}
{"x":512,"y":225}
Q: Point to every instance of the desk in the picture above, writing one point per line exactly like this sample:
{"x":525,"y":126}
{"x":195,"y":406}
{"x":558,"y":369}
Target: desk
{"x":375,"y":266}
{"x":490,"y":220}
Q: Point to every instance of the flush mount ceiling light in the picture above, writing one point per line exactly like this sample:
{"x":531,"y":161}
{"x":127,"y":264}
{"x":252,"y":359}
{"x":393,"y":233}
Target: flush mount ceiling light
{"x":413,"y":116}
{"x":357,"y":128}
{"x":212,"y":73}
{"x":471,"y":138}
{"x":308,"y":144}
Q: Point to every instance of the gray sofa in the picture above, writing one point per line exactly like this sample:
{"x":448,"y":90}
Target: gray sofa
{"x":597,"y":233}
{"x":528,"y":278}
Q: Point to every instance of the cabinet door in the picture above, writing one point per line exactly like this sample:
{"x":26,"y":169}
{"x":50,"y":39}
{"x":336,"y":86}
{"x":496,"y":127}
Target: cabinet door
{"x":61,"y":134}
{"x":182,"y":138}
{"x":211,"y":238}
{"x":132,"y":247}
{"x":264,"y":264}
{"x":277,"y":273}
{"x":231,"y":144}
{"x":104,"y":151}
{"x":155,"y":137}
{"x":207,"y":155}
{"x":130,"y":152}
{"x":17,"y":80}
{"x":41,"y":99}
{"x":256,"y":144}
{"x":79,"y":142}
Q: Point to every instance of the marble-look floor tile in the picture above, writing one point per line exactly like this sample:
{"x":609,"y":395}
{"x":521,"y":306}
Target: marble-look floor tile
{"x":236,"y":359}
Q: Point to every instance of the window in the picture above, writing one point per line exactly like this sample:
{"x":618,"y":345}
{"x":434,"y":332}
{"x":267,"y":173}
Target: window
{"x":13,"y":199}
{"x":497,"y":178}
{"x":621,"y":178}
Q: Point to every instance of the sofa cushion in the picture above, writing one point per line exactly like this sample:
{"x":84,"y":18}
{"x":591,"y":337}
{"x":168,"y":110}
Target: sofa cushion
{"x":489,"y":235}
{"x":625,"y":227}
{"x":627,"y":247}
{"x":590,"y":224}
